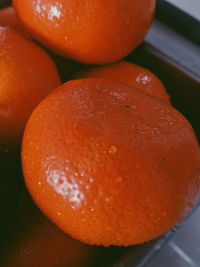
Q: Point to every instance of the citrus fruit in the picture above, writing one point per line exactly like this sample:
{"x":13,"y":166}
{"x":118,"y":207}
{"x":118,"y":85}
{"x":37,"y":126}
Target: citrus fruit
{"x":40,"y":243}
{"x":108,"y":164}
{"x":27,"y":75}
{"x":130,"y":74}
{"x":90,"y":31}
{"x":8,"y":19}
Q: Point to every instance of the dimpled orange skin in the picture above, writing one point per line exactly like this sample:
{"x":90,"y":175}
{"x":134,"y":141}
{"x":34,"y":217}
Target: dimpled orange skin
{"x":8,"y":19}
{"x":91,"y":31}
{"x":129,"y":74}
{"x":27,"y":75}
{"x":109,"y":164}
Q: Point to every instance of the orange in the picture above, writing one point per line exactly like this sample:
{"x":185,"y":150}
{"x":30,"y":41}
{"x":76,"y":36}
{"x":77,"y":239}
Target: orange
{"x":65,"y":67}
{"x":40,"y":243}
{"x":27,"y":75}
{"x":129,"y":74}
{"x":8,"y":19}
{"x":108,"y":164}
{"x":90,"y":31}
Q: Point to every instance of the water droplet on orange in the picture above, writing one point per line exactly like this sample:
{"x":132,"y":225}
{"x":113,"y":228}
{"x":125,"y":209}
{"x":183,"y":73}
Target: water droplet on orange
{"x":113,"y":150}
{"x":118,"y":179}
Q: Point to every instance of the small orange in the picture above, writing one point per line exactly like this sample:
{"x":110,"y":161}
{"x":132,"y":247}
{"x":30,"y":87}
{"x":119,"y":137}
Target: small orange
{"x":27,"y":75}
{"x":129,"y":74}
{"x":39,"y":243}
{"x":8,"y":19}
{"x":108,"y":164}
{"x":87,"y":31}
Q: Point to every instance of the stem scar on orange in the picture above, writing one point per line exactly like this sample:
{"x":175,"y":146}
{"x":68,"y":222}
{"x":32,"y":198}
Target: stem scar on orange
{"x":108,"y":164}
